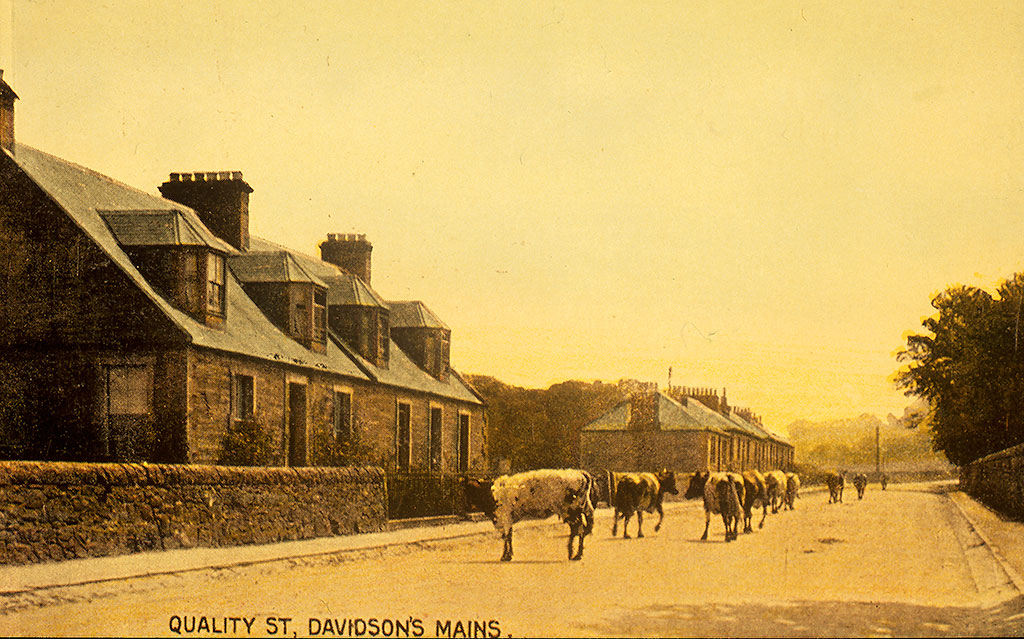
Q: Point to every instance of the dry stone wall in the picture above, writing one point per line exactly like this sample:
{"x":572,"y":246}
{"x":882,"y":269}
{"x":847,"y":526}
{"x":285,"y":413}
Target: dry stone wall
{"x":54,"y":511}
{"x":997,"y":480}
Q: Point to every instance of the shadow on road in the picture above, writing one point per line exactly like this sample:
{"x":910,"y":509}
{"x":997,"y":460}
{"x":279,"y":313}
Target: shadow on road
{"x":819,"y":619}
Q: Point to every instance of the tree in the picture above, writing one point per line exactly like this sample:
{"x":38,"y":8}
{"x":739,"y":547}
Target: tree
{"x":968,"y":367}
{"x":540,"y":428}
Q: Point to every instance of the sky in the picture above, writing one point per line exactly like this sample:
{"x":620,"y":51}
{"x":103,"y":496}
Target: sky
{"x":763,"y":198}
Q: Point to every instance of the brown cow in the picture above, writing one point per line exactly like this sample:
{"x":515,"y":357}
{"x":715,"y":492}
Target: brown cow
{"x":639,"y":492}
{"x":755,"y":495}
{"x":777,"y":484}
{"x":723,"y":493}
{"x":860,"y":482}
{"x":836,"y":481}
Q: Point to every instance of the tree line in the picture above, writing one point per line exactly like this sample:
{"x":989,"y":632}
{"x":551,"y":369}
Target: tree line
{"x":540,"y":428}
{"x":969,"y":368}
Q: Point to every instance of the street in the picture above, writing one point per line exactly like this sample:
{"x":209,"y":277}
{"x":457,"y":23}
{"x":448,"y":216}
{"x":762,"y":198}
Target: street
{"x":901,"y":562}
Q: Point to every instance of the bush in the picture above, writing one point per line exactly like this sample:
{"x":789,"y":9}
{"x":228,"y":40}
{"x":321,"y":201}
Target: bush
{"x":328,"y":451}
{"x":246,"y":444}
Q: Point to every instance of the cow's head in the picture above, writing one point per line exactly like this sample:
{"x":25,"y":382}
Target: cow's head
{"x":696,"y":487}
{"x":667,"y":480}
{"x":478,"y":495}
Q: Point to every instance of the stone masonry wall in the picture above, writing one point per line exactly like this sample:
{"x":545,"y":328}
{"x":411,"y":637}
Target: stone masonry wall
{"x":997,"y":480}
{"x":54,"y":511}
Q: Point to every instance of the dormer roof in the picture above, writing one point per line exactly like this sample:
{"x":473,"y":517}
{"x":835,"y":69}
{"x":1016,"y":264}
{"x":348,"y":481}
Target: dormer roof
{"x":348,"y":290}
{"x":414,"y":314}
{"x":267,"y":267}
{"x":156,"y":228}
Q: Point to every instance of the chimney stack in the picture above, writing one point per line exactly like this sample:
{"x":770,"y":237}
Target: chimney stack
{"x":350,"y":251}
{"x":221,"y":198}
{"x":7,"y":98}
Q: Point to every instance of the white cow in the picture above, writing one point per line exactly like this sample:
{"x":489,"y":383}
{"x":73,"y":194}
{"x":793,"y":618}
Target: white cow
{"x":537,"y":494}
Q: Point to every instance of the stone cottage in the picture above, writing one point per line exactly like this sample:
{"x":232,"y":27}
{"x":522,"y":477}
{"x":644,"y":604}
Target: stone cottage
{"x":144,"y":327}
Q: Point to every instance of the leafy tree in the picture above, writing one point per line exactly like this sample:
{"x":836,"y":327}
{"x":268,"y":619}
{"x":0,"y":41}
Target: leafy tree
{"x":968,"y":367}
{"x":540,"y":428}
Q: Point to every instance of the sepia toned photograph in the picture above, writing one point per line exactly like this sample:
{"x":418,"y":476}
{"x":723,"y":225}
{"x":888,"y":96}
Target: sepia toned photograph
{"x":476,"y":319}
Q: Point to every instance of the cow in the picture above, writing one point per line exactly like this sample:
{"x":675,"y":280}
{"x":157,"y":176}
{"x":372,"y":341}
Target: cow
{"x":755,"y":495}
{"x":836,"y":481}
{"x":885,"y":481}
{"x":537,"y":494}
{"x":637,"y":492}
{"x":792,"y":488}
{"x":723,"y":494}
{"x":776,"y":484}
{"x":860,"y":482}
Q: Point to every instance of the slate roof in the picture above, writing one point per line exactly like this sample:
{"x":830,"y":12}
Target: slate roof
{"x":155,"y":228}
{"x":271,"y":266}
{"x":672,"y":416}
{"x":413,"y":314}
{"x":349,"y":290}
{"x":84,"y":194}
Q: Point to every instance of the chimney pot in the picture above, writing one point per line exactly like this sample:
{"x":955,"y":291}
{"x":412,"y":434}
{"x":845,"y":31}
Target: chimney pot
{"x":350,"y":252}
{"x":221,"y":202}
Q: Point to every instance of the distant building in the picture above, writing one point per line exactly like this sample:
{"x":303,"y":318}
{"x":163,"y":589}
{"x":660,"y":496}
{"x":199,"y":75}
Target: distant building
{"x":683,"y":429}
{"x":135,"y":327}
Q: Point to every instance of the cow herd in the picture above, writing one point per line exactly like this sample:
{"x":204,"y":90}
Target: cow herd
{"x":538,"y":494}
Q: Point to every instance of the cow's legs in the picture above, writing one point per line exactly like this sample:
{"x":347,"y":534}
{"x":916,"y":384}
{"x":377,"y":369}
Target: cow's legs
{"x":728,"y":533}
{"x":507,"y":555}
{"x":707,"y":522}
{"x":615,"y":524}
{"x":764,"y":516}
{"x":747,"y":519}
{"x":578,"y":528}
{"x":661,"y":516}
{"x":625,"y":523}
{"x":639,"y":524}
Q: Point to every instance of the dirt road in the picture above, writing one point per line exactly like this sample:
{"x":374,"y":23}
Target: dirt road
{"x":900,"y":562}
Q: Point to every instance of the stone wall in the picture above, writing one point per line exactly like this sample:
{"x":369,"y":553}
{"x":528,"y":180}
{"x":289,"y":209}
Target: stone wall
{"x":997,"y":480}
{"x":54,"y":511}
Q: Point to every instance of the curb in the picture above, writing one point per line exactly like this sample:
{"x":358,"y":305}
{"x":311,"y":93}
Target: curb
{"x":1015,"y":578}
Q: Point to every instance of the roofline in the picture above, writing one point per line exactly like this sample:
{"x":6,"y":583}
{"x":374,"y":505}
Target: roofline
{"x":141,"y":282}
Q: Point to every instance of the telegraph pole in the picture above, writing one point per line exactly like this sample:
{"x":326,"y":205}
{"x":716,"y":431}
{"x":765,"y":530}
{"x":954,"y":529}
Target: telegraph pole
{"x":878,"y":452}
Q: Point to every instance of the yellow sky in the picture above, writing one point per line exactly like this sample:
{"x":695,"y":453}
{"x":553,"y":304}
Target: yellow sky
{"x":764,"y":199}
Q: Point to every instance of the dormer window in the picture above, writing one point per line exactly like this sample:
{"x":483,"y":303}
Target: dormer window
{"x":215,"y":284}
{"x":358,"y":316}
{"x":422,"y":336}
{"x":177,"y":256}
{"x":290,"y":296}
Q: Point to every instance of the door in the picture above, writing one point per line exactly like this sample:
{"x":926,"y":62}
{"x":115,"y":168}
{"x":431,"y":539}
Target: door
{"x":296,"y":424}
{"x":463,"y":442}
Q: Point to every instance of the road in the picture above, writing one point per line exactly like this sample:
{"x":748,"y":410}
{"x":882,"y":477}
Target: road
{"x":901,"y":562}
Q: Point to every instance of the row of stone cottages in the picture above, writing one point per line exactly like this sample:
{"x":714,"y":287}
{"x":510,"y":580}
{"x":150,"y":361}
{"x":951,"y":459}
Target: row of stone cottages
{"x":685,"y":429}
{"x":139,"y":327}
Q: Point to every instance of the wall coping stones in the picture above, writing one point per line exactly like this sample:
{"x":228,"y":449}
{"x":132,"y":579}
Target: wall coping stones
{"x":74,"y":473}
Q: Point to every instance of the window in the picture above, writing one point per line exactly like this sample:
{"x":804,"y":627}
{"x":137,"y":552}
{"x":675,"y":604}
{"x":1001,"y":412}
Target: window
{"x":403,"y":446}
{"x":319,"y":314}
{"x":128,"y":390}
{"x":215,"y":283}
{"x":342,"y":416}
{"x":129,"y":407}
{"x":435,"y":438}
{"x":243,"y":397}
{"x":463,"y":442}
